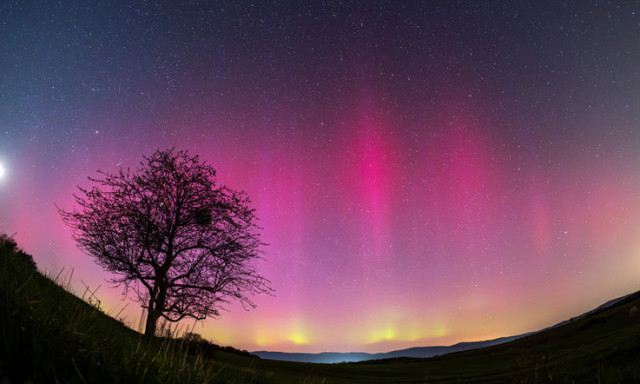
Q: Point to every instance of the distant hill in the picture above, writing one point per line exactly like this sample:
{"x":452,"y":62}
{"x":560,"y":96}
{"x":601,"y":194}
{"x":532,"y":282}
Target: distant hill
{"x":350,"y":357}
{"x":415,"y":352}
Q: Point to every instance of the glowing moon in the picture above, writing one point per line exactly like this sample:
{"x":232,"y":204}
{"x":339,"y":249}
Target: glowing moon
{"x":3,"y":171}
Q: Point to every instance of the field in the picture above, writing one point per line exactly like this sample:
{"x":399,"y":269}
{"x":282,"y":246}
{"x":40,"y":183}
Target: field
{"x":49,"y":335}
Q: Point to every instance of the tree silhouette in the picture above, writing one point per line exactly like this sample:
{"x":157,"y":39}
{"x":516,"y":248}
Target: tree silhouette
{"x":172,"y":236}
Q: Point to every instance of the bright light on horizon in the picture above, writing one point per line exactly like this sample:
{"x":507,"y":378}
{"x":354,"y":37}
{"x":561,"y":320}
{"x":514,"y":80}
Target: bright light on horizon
{"x":3,"y":171}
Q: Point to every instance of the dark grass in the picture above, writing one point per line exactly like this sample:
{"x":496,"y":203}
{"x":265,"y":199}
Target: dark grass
{"x":48,"y":335}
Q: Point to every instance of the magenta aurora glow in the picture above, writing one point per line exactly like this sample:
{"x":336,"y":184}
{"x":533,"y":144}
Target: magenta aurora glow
{"x":424,"y":173}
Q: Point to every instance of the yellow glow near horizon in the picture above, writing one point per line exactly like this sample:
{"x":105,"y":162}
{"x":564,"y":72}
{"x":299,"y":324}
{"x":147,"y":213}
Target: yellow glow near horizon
{"x":395,"y":333}
{"x":263,"y":338}
{"x":298,"y":337}
{"x":440,"y":330}
{"x":299,"y":333}
{"x":269,"y":335}
{"x":386,"y":334}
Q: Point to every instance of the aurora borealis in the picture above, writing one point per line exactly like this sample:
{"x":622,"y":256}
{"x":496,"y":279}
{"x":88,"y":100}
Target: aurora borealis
{"x":425,"y":172}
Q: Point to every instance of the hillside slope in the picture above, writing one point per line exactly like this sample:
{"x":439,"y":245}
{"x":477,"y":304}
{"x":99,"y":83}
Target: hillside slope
{"x":49,"y":335}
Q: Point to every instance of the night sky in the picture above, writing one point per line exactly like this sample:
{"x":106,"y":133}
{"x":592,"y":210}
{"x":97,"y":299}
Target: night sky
{"x":425,"y":172}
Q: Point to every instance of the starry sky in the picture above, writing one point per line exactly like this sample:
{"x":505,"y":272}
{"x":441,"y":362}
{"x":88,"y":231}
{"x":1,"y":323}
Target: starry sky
{"x":426,"y":172}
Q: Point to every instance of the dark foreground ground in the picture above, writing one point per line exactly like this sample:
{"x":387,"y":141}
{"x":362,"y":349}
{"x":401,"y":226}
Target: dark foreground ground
{"x":48,"y":335}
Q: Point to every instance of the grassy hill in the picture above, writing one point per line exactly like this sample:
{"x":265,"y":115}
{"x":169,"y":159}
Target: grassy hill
{"x":48,"y":335}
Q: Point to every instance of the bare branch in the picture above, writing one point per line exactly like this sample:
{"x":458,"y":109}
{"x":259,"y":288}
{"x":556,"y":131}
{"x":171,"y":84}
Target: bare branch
{"x":183,"y":245}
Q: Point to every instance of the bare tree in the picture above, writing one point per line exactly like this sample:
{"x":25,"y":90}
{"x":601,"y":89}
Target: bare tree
{"x":184,"y":245}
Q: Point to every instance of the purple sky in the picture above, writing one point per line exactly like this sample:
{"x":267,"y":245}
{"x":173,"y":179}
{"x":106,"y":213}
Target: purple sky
{"x":424,"y":173}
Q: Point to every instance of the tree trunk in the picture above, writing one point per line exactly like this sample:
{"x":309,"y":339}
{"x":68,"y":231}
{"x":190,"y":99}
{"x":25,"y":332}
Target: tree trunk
{"x":152,"y":318}
{"x":156,"y":306}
